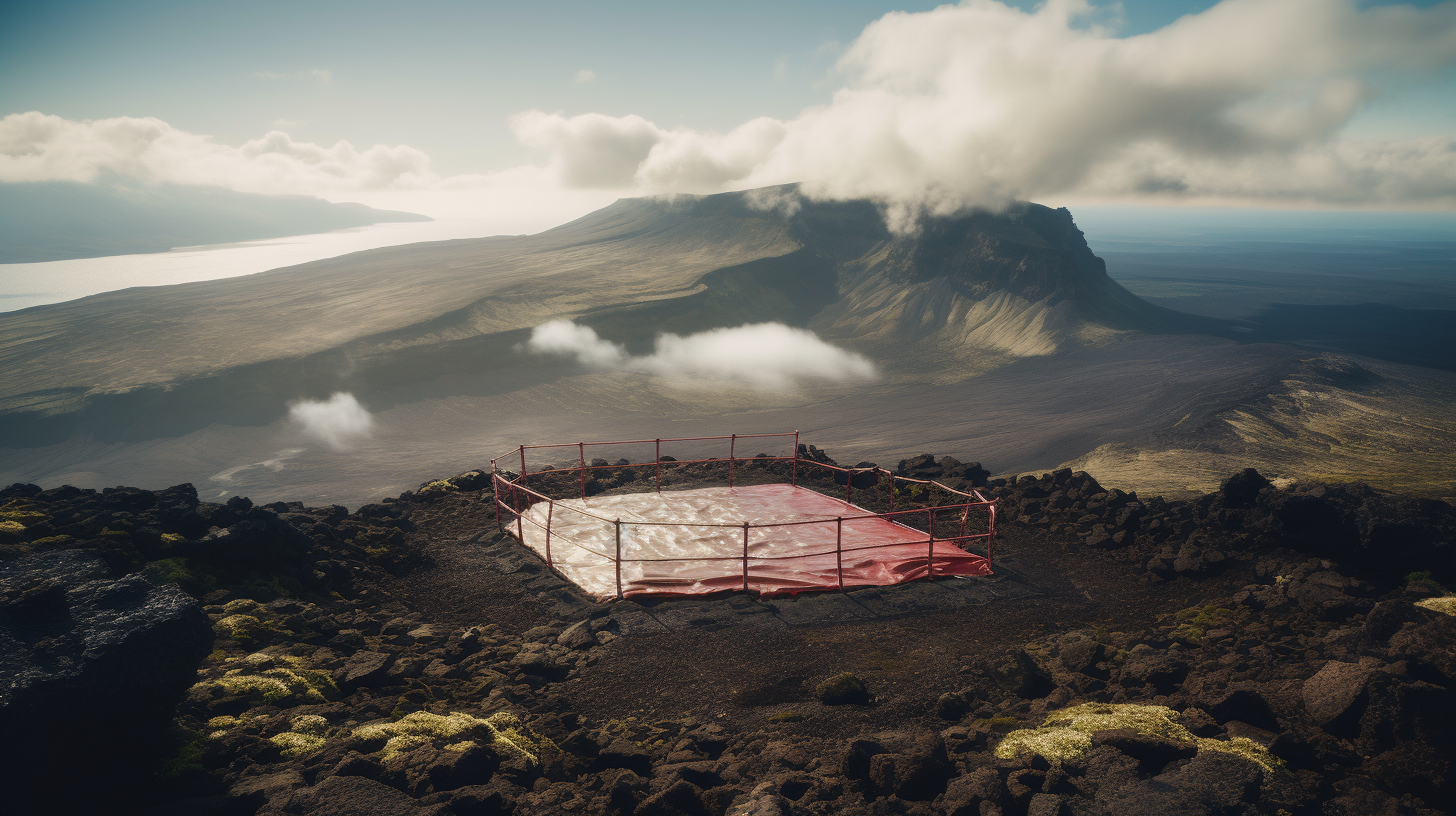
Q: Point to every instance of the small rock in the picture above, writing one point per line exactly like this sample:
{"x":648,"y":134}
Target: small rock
{"x":577,"y":636}
{"x":364,"y":669}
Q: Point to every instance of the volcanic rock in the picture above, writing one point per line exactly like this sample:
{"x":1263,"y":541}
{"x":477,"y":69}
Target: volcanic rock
{"x":90,"y":669}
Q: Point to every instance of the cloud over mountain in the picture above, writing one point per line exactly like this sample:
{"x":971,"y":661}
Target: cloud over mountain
{"x":764,"y":356}
{"x":979,"y":103}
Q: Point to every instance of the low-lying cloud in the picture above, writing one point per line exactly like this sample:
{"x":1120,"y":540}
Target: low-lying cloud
{"x":339,"y":421}
{"x":764,"y":356}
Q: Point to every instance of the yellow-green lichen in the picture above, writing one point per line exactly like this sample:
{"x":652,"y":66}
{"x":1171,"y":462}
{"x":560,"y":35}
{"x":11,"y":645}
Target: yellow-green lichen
{"x":274,"y":678}
{"x":237,"y":627}
{"x":1244,"y":747}
{"x":438,"y":485}
{"x":306,"y":735}
{"x":1195,"y":621}
{"x":1446,"y":605}
{"x":503,"y":730}
{"x":8,"y":526}
{"x":511,"y":733}
{"x":1052,"y":743}
{"x":172,"y":538}
{"x":1067,"y":734}
{"x":248,"y":630}
{"x":19,"y":513}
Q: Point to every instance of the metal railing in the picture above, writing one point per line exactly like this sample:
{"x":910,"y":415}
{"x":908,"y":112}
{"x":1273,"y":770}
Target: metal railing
{"x":956,"y":512}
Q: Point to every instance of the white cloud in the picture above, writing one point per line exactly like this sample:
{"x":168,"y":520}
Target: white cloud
{"x":566,"y":338}
{"x":338,"y":421}
{"x":764,"y":356}
{"x":979,"y":103}
{"x":585,"y":76}
{"x":964,"y":105}
{"x":39,"y":147}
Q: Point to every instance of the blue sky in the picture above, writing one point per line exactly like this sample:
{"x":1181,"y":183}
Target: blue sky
{"x":445,"y":78}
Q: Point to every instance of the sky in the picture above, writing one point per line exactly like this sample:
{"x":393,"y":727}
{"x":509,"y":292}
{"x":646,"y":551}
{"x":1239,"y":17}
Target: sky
{"x":543,"y":111}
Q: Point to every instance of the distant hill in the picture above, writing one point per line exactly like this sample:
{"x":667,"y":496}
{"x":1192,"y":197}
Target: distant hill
{"x":58,"y":220}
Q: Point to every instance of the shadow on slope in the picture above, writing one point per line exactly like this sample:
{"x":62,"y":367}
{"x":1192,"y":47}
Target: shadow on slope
{"x":1418,"y":337}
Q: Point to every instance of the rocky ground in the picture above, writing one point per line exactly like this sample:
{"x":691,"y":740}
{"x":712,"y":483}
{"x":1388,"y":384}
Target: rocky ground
{"x":1257,"y":650}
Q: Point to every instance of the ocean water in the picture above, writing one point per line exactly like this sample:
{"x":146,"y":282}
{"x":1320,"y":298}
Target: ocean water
{"x":34,"y":284}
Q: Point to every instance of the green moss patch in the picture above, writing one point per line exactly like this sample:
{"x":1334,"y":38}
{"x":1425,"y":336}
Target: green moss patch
{"x":282,"y":680}
{"x":1196,"y":621}
{"x":306,"y":734}
{"x":502,"y":730}
{"x":1446,"y":605}
{"x":1067,"y":734}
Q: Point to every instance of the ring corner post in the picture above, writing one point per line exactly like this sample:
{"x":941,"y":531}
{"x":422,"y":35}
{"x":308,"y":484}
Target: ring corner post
{"x":495,"y":496}
{"x":732,"y":443}
{"x":990,"y":536}
{"x":745,"y":556}
{"x":550,"y":511}
{"x":619,"y":558}
{"x":581,"y":454}
{"x":794,"y":473}
{"x":930,"y":545}
{"x":659,"y":465}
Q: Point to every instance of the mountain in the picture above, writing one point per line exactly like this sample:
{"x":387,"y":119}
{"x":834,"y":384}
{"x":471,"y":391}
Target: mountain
{"x":997,"y":335}
{"x":57,"y":220}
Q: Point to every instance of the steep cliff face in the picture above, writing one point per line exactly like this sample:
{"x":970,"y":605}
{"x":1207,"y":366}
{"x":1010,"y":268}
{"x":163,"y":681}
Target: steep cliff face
{"x":972,"y":289}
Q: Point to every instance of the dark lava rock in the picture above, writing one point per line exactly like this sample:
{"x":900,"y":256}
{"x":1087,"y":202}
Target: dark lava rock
{"x":1332,"y":694}
{"x":1212,"y":782}
{"x":90,"y":670}
{"x":1242,"y":489}
{"x":364,"y":669}
{"x":577,"y":636}
{"x":1152,"y":753}
{"x":841,"y":689}
{"x":965,"y":795}
{"x":344,"y":796}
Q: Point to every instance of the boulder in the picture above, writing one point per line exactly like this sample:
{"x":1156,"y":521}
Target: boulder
{"x":965,"y":795}
{"x":1242,"y":489}
{"x":1211,"y":782}
{"x":1334,"y":696}
{"x":91,"y":667}
{"x":364,"y":669}
{"x":1152,"y":753}
{"x":344,"y":796}
{"x":842,"y":689}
